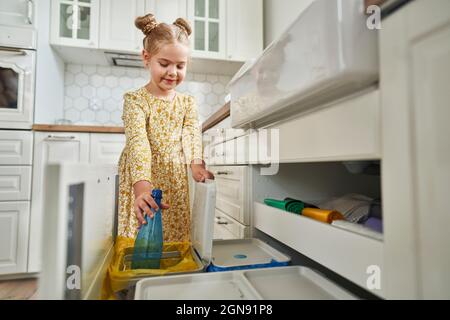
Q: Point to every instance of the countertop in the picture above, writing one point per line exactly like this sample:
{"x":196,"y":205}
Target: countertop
{"x":77,"y":128}
{"x":217,"y":117}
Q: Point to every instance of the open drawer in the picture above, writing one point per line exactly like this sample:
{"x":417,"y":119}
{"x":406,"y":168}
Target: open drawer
{"x":350,"y":254}
{"x":346,"y":253}
{"x":285,"y":283}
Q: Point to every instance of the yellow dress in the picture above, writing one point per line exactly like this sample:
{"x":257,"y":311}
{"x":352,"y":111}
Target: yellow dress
{"x":161,"y":138}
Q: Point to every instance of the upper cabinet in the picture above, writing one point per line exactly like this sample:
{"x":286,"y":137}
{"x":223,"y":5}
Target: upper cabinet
{"x":245,"y":39}
{"x":208,"y":19}
{"x":117,"y":29}
{"x":17,"y":12}
{"x":226,"y":29}
{"x":226,"y":33}
{"x":167,"y":10}
{"x":75,"y":23}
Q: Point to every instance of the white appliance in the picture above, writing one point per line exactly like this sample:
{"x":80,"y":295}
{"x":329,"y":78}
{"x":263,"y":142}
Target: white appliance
{"x":327,"y":53}
{"x":17,"y":64}
{"x":79,"y":211}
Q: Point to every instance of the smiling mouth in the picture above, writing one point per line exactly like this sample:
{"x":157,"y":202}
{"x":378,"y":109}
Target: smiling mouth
{"x":169,"y":81}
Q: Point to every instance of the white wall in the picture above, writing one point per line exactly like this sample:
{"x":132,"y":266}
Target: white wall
{"x":279,"y":14}
{"x":49,"y":97}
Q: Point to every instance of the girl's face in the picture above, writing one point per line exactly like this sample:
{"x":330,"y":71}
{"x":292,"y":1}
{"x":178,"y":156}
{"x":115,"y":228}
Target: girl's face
{"x":168,"y":66}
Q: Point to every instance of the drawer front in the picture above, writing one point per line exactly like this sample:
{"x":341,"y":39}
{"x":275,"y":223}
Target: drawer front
{"x":217,"y":154}
{"x":239,"y":230}
{"x":232,"y":194}
{"x":233,"y":210}
{"x":16,"y":147}
{"x":15,"y":183}
{"x":221,"y":233}
{"x":228,"y":172}
{"x":349,"y":130}
{"x":106,"y":148}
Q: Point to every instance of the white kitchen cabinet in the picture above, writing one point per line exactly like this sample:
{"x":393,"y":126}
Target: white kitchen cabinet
{"x":15,"y":195}
{"x":75,"y":23}
{"x":16,"y":147}
{"x":106,"y":148}
{"x":415,"y":73}
{"x":166,"y":10}
{"x":20,"y":13}
{"x":14,"y":222}
{"x":244,"y":29}
{"x":233,"y":212}
{"x":117,"y":29}
{"x":50,"y":147}
{"x":208,"y":18}
{"x":347,"y":130}
{"x":226,"y":29}
{"x":15,"y":183}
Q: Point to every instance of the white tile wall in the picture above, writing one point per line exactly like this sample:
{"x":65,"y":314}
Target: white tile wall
{"x":94,"y":94}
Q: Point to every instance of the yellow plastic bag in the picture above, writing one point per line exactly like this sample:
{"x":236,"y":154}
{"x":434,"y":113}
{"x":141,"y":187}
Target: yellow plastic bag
{"x":120,"y":277}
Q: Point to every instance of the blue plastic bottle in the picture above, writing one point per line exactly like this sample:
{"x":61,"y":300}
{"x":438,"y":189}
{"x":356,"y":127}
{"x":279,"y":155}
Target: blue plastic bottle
{"x":149,"y":241}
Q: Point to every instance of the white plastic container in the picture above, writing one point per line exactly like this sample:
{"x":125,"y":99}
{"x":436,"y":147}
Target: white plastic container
{"x":285,"y":283}
{"x":224,"y":255}
{"x":327,"y":53}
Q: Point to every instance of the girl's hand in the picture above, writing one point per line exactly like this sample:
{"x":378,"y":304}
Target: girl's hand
{"x":144,"y":202}
{"x":200,"y":174}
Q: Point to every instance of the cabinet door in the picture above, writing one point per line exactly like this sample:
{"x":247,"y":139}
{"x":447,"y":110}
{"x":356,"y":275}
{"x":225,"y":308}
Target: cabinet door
{"x":117,"y":29}
{"x":75,"y":23}
{"x":208,"y":20}
{"x":415,"y":77}
{"x":166,"y":10}
{"x":50,"y":147}
{"x":16,"y":147}
{"x":17,"y":12}
{"x":244,"y":29}
{"x":106,"y":148}
{"x":14,"y":221}
{"x":15,"y":183}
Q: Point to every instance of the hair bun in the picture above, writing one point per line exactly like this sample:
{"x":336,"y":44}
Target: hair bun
{"x":146,"y":23}
{"x":183,"y":25}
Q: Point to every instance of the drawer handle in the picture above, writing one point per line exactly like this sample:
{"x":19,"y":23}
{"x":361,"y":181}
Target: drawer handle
{"x":220,"y":173}
{"x":63,"y":138}
{"x":222,"y":222}
{"x":30,"y":12}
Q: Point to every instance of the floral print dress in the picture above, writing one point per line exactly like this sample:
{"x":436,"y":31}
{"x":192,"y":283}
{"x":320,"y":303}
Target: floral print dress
{"x":162,"y":137}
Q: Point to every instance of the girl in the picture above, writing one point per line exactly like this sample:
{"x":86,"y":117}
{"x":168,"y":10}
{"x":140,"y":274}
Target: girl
{"x":162,"y":135}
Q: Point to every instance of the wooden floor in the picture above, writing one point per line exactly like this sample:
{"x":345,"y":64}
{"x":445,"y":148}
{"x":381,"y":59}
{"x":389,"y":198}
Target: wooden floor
{"x":25,"y":289}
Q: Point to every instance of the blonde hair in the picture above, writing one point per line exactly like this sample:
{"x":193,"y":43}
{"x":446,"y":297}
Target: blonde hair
{"x":158,"y":34}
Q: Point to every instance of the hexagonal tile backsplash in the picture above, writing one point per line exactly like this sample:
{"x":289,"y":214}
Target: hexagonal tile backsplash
{"x":94,"y":94}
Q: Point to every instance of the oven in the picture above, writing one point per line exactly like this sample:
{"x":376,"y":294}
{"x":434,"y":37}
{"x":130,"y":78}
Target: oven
{"x":17,"y":87}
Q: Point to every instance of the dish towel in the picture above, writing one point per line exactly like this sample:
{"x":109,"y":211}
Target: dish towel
{"x":288,"y":204}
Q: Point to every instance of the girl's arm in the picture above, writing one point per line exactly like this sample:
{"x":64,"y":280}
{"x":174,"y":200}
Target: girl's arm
{"x":192,"y":143}
{"x":191,"y":134}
